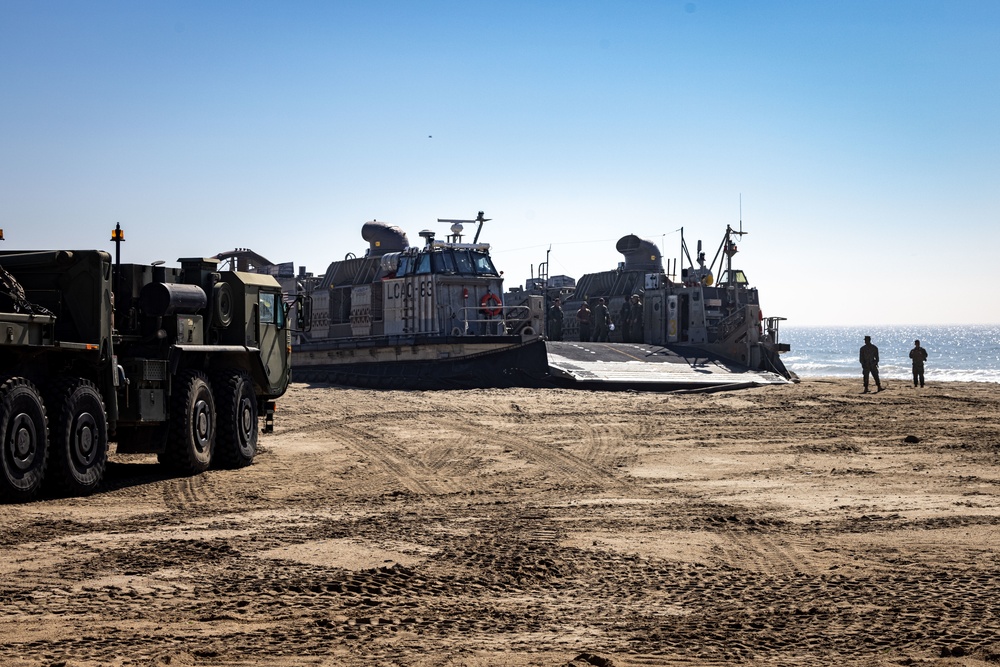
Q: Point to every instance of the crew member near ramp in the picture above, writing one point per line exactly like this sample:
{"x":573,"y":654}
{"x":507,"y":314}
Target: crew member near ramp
{"x":602,"y":319}
{"x":554,"y":321}
{"x":635,"y":320}
{"x":919,"y":356}
{"x":583,"y":317}
{"x":623,"y":316}
{"x":869,"y":363}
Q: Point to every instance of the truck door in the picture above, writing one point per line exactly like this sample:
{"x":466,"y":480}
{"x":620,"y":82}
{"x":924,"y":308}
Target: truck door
{"x":272,"y":336}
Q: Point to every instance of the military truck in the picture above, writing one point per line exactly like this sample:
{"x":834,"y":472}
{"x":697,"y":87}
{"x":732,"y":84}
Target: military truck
{"x":182,"y":362}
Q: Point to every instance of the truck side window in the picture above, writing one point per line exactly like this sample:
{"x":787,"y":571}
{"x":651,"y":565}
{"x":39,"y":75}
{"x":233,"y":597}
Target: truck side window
{"x":267,"y":307}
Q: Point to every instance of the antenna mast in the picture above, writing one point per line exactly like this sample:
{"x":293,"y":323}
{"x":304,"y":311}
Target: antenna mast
{"x":457,"y":235}
{"x":741,"y":214}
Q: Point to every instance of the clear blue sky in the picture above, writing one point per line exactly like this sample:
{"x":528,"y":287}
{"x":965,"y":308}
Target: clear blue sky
{"x":864,"y":137}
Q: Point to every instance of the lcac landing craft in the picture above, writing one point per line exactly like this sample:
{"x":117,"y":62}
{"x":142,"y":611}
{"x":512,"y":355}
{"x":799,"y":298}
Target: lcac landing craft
{"x":427,"y":317}
{"x":691,"y":333}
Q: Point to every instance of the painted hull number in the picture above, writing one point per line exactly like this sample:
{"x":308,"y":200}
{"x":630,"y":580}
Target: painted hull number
{"x":401,"y":291}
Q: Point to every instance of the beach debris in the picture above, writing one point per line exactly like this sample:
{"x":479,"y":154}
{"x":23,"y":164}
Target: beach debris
{"x":587,"y":659}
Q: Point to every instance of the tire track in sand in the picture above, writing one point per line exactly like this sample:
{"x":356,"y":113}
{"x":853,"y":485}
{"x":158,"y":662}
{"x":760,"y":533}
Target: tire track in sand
{"x":405,"y":470}
{"x":186,"y":493}
{"x":564,"y":466}
{"x":759,"y":552}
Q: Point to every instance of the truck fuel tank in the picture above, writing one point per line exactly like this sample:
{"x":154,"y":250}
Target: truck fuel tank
{"x":160,"y":299}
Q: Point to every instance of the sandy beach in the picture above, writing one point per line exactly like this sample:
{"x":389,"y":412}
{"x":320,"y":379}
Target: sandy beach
{"x":806,"y":524}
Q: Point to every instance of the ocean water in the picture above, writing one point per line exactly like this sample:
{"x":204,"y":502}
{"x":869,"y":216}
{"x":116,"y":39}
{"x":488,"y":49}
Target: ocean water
{"x":956,"y":353}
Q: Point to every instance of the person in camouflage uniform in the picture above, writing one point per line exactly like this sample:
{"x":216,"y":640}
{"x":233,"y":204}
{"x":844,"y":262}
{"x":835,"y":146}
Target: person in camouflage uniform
{"x":554,"y":320}
{"x":623,"y":316}
{"x":602,"y":319}
{"x":583,"y":318}
{"x":869,"y":363}
{"x":635,"y":321}
{"x":919,"y":356}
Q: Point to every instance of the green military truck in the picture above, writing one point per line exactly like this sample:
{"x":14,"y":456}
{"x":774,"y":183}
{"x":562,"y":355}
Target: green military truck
{"x":182,"y":362}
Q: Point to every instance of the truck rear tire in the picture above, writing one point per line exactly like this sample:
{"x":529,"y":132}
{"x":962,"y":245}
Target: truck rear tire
{"x":78,"y":439}
{"x":192,"y":424}
{"x":24,"y":438}
{"x":236,"y":404}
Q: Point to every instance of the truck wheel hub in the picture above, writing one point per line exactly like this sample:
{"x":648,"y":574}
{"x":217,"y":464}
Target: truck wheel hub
{"x":24,"y":442}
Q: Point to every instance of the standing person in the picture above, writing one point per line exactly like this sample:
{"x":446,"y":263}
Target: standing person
{"x":554,"y":320}
{"x":635,"y":320}
{"x":919,"y":356}
{"x":602,"y":320}
{"x":623,"y":320}
{"x":583,"y":318}
{"x":869,"y":362}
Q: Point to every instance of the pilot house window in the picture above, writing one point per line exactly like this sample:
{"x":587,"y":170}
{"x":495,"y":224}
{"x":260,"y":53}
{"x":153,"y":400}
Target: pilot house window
{"x":458,"y":261}
{"x":484,"y":267}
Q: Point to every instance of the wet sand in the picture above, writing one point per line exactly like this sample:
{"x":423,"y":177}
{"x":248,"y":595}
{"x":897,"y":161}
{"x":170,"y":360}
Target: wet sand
{"x":806,"y":524}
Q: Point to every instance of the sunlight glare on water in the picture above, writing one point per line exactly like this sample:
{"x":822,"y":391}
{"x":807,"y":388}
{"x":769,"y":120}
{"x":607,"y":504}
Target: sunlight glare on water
{"x":969,"y":353}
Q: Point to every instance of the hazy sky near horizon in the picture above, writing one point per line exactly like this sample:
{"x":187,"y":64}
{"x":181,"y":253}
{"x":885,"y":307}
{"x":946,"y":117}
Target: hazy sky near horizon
{"x":863,"y":137}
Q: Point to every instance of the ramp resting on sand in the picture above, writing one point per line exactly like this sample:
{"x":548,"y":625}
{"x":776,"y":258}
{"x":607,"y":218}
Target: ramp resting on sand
{"x":642,"y":366}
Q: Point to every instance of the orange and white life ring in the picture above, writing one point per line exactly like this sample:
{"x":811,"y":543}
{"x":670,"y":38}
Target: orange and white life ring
{"x":484,"y":304}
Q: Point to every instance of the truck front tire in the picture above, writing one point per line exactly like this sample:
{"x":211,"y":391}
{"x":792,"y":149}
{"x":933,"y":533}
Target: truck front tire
{"x":192,"y":424}
{"x":236,"y":401}
{"x":24,"y":438}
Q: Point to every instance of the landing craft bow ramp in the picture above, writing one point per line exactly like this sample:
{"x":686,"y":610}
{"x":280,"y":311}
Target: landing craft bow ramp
{"x":642,"y":366}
